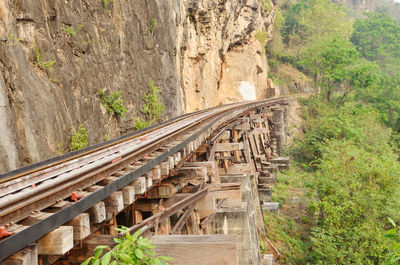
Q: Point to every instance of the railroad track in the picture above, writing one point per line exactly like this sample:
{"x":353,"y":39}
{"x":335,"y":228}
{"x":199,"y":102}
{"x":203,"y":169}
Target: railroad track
{"x":40,"y":186}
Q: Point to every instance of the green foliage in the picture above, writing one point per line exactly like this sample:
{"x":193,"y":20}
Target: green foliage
{"x":377,"y":38}
{"x":262,"y":37}
{"x":114,"y":103}
{"x":266,"y":5}
{"x":288,"y":236}
{"x":353,"y":183}
{"x":301,"y":27}
{"x":40,"y":63}
{"x":71,"y":31}
{"x":14,"y":40}
{"x":330,"y":61}
{"x":153,"y":108}
{"x":79,"y":138}
{"x":153,"y":25}
{"x":140,"y":124}
{"x":130,"y":249}
{"x":394,"y":236}
{"x":107,"y":4}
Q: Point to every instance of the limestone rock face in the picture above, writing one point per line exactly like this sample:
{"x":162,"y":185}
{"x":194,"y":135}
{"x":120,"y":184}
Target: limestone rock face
{"x":200,"y":53}
{"x":219,"y":53}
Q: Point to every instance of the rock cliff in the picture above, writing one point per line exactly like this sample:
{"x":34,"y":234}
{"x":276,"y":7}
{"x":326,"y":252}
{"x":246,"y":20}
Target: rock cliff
{"x":55,"y":56}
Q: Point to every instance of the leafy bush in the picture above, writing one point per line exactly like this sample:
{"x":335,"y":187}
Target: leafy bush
{"x":153,"y":109}
{"x":79,"y":138}
{"x":394,"y":235}
{"x":71,"y":30}
{"x":130,"y":249}
{"x":40,"y":63}
{"x":153,"y":25}
{"x":113,"y":103}
{"x":354,"y":184}
{"x":140,"y":124}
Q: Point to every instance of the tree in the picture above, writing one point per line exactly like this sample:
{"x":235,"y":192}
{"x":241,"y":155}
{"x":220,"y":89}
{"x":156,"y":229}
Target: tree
{"x":377,"y":38}
{"x":301,"y":27}
{"x":330,"y":61}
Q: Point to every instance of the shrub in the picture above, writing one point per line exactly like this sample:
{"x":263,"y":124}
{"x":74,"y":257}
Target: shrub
{"x":262,"y":37}
{"x":130,"y":249}
{"x":153,"y":25}
{"x":114,"y":103}
{"x":140,"y":124}
{"x":153,"y":109}
{"x":71,"y":30}
{"x":79,"y":138}
{"x":40,"y":63}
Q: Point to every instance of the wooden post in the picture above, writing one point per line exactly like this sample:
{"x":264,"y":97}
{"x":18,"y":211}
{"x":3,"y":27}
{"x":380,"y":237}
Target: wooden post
{"x":57,"y":242}
{"x":81,"y":226}
{"x":97,"y":213}
{"x":26,"y":256}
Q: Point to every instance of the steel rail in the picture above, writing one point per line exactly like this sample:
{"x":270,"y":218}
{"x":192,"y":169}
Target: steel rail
{"x":32,"y":233}
{"x":13,"y":183}
{"x":85,"y":164}
{"x":90,"y":149}
{"x":53,"y":186}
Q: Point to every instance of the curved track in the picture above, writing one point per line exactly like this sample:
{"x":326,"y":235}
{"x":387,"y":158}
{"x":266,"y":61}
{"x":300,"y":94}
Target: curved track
{"x":39,"y":186}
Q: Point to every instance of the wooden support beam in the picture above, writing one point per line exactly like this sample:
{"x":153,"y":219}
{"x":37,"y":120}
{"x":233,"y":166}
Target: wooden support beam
{"x":229,"y":147}
{"x":237,"y":169}
{"x":182,"y":220}
{"x":243,"y":127}
{"x":195,"y":250}
{"x":176,"y":198}
{"x":146,"y":206}
{"x":57,"y":242}
{"x":97,"y":213}
{"x":163,"y":191}
{"x":156,"y":173}
{"x":164,"y":168}
{"x":192,"y":175}
{"x":140,"y":185}
{"x":149,"y":180}
{"x":211,"y":167}
{"x":58,"y":206}
{"x":206,"y":205}
{"x":34,"y":218}
{"x":26,"y":256}
{"x":81,"y":226}
{"x":128,"y":194}
{"x":114,"y":204}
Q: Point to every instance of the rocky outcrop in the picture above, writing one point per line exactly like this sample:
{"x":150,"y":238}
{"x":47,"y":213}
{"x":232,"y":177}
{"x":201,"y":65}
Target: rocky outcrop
{"x":220,"y":59}
{"x":200,"y":53}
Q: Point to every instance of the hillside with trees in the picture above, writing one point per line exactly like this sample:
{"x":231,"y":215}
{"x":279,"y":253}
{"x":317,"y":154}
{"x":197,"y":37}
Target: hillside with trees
{"x":345,"y":163}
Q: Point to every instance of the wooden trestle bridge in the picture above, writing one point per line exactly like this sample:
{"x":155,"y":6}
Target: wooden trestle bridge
{"x":194,"y":184}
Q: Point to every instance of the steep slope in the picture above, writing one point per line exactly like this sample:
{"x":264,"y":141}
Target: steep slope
{"x":198,"y":52}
